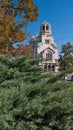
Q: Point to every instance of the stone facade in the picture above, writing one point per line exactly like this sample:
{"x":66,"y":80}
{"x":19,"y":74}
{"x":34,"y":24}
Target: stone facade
{"x":43,"y":46}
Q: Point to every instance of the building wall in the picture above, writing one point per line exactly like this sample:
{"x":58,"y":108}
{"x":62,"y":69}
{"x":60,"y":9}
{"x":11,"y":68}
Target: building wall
{"x":44,"y":44}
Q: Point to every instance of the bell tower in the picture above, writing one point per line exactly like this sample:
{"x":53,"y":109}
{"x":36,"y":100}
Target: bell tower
{"x":45,"y":28}
{"x":45,"y":33}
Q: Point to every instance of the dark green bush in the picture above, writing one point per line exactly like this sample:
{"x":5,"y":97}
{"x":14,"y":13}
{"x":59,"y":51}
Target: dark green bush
{"x":32,"y":100}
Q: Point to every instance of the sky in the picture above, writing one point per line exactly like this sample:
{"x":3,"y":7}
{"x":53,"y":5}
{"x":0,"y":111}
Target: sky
{"x":59,"y":13}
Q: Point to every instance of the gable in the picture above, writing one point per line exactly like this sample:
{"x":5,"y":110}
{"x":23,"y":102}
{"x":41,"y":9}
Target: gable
{"x":48,"y":49}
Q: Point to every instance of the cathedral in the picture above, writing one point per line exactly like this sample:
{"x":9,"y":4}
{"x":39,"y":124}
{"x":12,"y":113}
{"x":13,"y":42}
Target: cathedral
{"x":44,"y":47}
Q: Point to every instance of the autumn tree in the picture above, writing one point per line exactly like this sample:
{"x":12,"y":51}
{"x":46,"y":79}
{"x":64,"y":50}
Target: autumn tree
{"x":66,"y":56}
{"x":23,"y":50}
{"x":14,"y":17}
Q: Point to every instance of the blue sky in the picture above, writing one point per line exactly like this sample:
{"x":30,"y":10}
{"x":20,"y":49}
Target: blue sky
{"x":59,"y":13}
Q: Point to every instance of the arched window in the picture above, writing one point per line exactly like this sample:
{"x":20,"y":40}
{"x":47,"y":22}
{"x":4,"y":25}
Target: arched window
{"x":53,"y":67}
{"x":43,"y":27}
{"x":41,"y":55}
{"x":49,"y":67}
{"x":47,"y":27}
{"x":49,"y":55}
{"x":45,"y":66}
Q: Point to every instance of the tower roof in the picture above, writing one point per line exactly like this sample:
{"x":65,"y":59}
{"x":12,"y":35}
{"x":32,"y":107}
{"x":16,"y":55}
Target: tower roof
{"x":46,"y":23}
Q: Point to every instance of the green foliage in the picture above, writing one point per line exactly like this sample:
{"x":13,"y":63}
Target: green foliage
{"x":66,"y":56}
{"x":32,"y":100}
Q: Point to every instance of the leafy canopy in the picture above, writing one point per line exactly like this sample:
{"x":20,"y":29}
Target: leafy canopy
{"x":66,"y":56}
{"x":14,"y":16}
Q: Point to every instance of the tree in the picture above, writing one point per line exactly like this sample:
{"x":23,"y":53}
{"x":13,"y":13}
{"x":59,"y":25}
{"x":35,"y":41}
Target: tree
{"x":66,"y":56}
{"x":13,"y":19}
{"x":23,"y":50}
{"x":42,"y":103}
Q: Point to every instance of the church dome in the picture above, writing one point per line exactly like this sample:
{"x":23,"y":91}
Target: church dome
{"x":45,"y":23}
{"x":45,"y":27}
